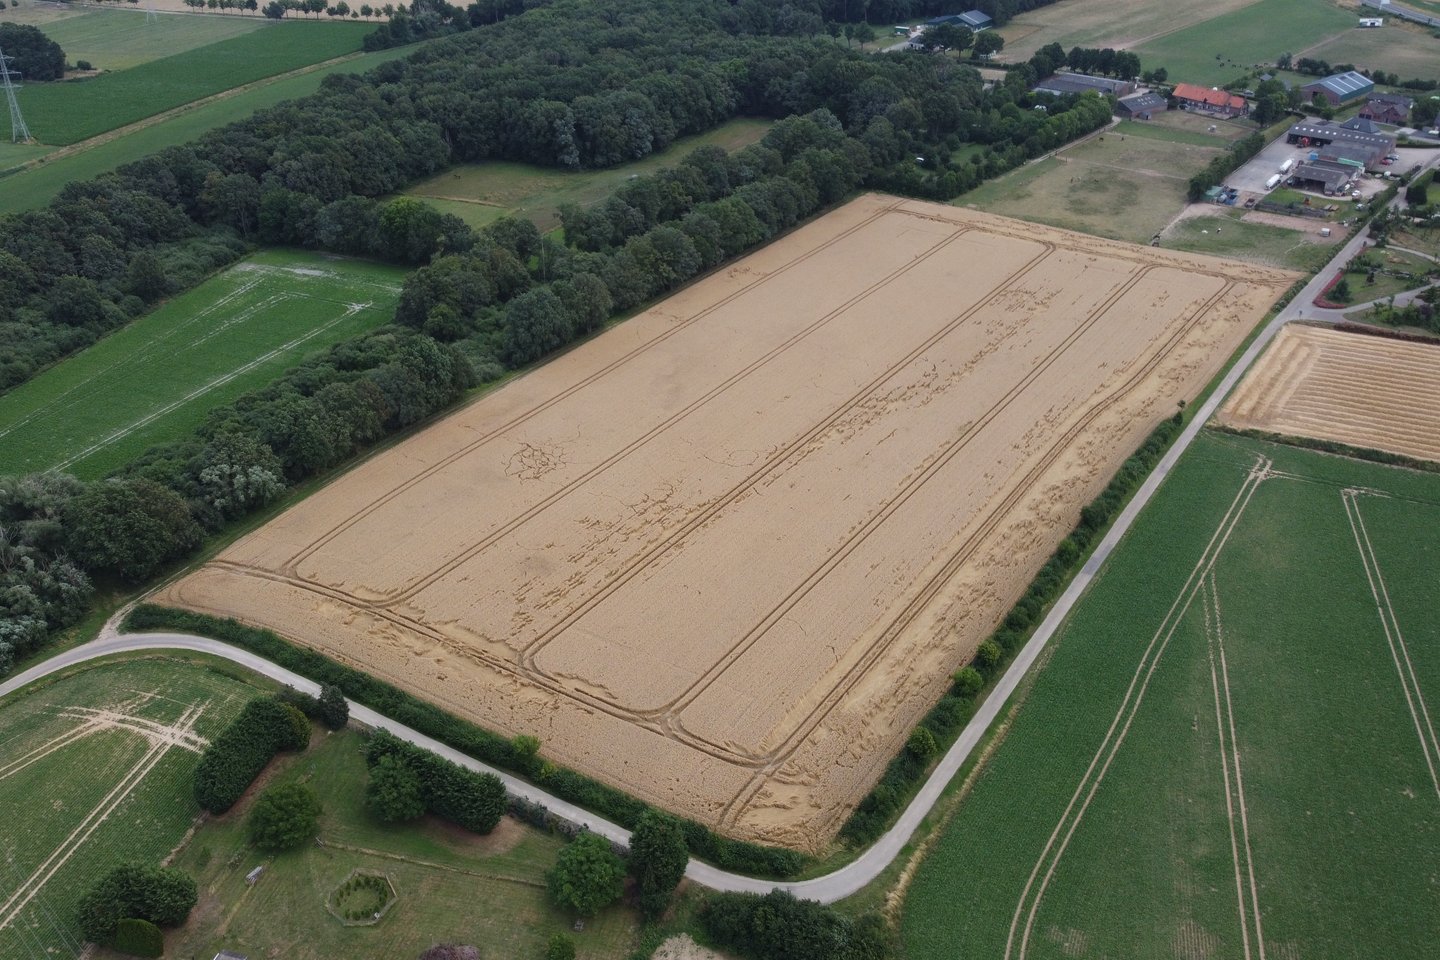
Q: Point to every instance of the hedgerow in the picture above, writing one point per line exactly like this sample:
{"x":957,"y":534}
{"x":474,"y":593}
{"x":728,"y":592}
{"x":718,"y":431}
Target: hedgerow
{"x":475,"y":801}
{"x":235,"y":758}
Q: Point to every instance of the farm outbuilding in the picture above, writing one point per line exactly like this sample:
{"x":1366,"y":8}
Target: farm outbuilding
{"x":1324,"y":175}
{"x":976,"y":20}
{"x":1063,"y":83}
{"x":1222,"y":103}
{"x":1340,"y":88}
{"x":1387,"y":108}
{"x":1355,"y":133}
{"x":1141,"y":106}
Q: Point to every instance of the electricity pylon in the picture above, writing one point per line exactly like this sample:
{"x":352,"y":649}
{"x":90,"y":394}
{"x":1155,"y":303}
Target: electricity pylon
{"x":19,"y":133}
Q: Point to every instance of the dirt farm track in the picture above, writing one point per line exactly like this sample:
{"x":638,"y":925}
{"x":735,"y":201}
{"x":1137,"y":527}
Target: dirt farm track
{"x":725,"y":555}
{"x":1362,"y":390}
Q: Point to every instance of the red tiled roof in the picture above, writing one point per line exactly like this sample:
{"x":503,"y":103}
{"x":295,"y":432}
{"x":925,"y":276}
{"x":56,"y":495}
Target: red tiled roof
{"x":1215,"y":98}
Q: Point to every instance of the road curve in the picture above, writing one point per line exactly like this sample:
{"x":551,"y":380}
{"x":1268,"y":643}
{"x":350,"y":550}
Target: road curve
{"x":855,"y":875}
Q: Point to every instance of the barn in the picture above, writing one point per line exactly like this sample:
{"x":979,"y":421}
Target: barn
{"x":1190,"y":96}
{"x":1355,"y":133}
{"x":1062,"y":83}
{"x":1340,"y":88}
{"x":1141,"y":106}
{"x":1323,"y":175}
{"x":976,"y":20}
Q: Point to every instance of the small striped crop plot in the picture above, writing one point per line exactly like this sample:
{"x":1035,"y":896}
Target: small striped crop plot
{"x":1232,"y":750}
{"x":95,"y":771}
{"x":726,"y":554}
{"x":1365,"y":391}
{"x":155,"y":379}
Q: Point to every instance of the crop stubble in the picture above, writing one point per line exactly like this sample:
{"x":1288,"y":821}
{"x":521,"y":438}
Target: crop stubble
{"x":725,"y":555}
{"x":1330,"y":385}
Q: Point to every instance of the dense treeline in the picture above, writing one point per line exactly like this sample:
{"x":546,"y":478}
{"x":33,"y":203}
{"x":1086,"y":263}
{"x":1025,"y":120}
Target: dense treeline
{"x":886,"y":12}
{"x":41,"y":589}
{"x":35,"y":56}
{"x":475,"y":801}
{"x":944,"y":721}
{"x":519,"y":755}
{"x":232,"y":761}
{"x":777,"y":926}
{"x":1222,"y":166}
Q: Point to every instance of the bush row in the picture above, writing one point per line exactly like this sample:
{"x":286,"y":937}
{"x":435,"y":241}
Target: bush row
{"x":943,"y":723}
{"x":1343,"y":449}
{"x":475,"y":801}
{"x":466,"y":737}
{"x":777,"y":926}
{"x":1222,"y":166}
{"x":235,"y":758}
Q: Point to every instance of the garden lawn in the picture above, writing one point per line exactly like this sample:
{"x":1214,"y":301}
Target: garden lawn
{"x":38,"y":185}
{"x":500,"y":188}
{"x":121,"y":39}
{"x":452,"y":886}
{"x":1266,"y":786}
{"x":70,"y":111}
{"x":156,"y":378}
{"x":106,"y":775}
{"x":1224,"y":47}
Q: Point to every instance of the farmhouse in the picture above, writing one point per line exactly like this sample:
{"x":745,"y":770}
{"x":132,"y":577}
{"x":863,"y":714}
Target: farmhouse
{"x":1387,"y":108}
{"x":1339,"y":88}
{"x":976,"y":20}
{"x":1324,"y":175}
{"x":1353,"y":133}
{"x":1141,"y":106}
{"x":1190,"y":96}
{"x":1063,"y":83}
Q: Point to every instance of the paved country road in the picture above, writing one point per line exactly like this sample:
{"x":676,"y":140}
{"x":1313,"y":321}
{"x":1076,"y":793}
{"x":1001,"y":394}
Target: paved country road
{"x":853,"y":876}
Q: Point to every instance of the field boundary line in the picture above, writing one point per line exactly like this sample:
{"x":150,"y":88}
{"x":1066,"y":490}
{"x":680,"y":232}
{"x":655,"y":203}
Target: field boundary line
{"x":1109,"y":747}
{"x":1230,"y":756}
{"x":76,"y":732}
{"x":153,"y":755}
{"x":1399,"y":650}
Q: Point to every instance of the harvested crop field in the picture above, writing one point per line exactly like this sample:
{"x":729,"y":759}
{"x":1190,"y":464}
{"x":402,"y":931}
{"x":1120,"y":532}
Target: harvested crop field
{"x":725,"y":555}
{"x":1365,"y":391}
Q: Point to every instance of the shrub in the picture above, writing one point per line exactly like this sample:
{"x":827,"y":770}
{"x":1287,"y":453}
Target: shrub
{"x":235,"y":758}
{"x":968,"y":681}
{"x":921,"y":745}
{"x":284,"y":817}
{"x":561,"y":947}
{"x":161,"y":895}
{"x":393,"y":794}
{"x":333,"y":711}
{"x":988,"y":655}
{"x":587,"y":875}
{"x":139,"y":938}
{"x":657,"y":860}
{"x":475,"y":801}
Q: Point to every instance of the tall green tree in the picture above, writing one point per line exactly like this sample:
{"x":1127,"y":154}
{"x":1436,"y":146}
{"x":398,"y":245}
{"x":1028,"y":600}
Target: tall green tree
{"x":587,"y":875}
{"x":284,"y":817}
{"x":658,"y":856}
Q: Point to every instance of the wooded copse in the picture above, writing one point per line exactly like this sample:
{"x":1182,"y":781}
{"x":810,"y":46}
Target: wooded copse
{"x":489,"y":300}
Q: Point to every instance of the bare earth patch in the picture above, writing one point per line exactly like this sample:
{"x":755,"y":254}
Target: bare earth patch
{"x":1365,"y":391}
{"x":725,"y":555}
{"x":682,"y":947}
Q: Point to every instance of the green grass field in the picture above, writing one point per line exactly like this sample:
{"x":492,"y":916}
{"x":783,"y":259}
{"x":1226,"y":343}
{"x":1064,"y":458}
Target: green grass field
{"x":1104,"y":23}
{"x":1256,"y":242}
{"x":121,"y":39}
{"x":86,"y":784}
{"x":1178,"y":126}
{"x":453,"y":887}
{"x":156,"y":378}
{"x":1125,"y":187}
{"x":38,"y":185}
{"x":1224,"y":753}
{"x":1220,"y":49}
{"x":67,"y":112}
{"x":483,"y":192}
{"x":1409,"y":50}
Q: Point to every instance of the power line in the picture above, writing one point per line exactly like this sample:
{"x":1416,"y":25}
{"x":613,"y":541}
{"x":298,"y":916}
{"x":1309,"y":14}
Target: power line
{"x":19,"y":133}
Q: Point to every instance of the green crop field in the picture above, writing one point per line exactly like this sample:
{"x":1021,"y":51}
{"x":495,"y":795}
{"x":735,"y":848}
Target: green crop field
{"x":70,"y":111}
{"x":95,"y":771}
{"x":1229,"y":751}
{"x":497,"y":189}
{"x":38,"y":185}
{"x":156,"y":378}
{"x":1220,"y":49}
{"x":1120,"y":186}
{"x":452,"y":886}
{"x":120,"y":39}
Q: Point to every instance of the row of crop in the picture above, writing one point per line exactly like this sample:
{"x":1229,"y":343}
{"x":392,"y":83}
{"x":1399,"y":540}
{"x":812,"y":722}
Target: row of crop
{"x":518,"y":756}
{"x":235,"y":758}
{"x":943,"y":723}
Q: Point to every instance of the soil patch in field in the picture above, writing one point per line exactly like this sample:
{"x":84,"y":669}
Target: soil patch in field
{"x":1366,"y":391}
{"x":726,"y":555}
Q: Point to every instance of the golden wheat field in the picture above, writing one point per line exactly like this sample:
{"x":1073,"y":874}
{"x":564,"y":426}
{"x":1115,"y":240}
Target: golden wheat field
{"x":725,"y":555}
